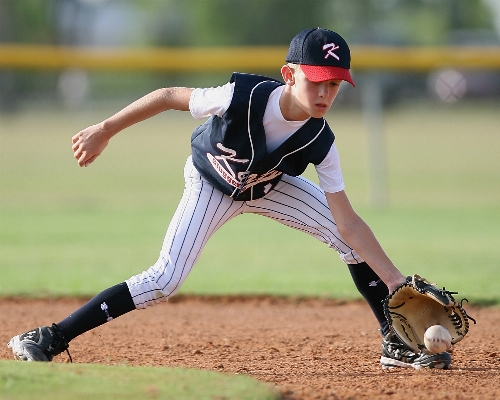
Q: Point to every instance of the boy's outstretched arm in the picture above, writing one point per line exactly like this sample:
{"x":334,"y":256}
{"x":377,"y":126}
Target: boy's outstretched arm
{"x":361,"y":238}
{"x":89,"y":143}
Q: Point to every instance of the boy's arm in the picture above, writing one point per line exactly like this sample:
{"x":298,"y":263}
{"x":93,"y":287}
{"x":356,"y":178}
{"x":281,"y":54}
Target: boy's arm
{"x":89,"y":143}
{"x":361,"y":238}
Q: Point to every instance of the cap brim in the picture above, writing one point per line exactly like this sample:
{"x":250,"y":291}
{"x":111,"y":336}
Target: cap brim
{"x":319,"y":73}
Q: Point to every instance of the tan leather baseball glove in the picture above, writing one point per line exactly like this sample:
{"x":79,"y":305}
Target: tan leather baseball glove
{"x":418,"y":304}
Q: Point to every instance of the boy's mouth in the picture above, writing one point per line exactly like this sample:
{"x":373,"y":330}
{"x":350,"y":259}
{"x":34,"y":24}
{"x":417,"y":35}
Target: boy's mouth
{"x":321,"y":106}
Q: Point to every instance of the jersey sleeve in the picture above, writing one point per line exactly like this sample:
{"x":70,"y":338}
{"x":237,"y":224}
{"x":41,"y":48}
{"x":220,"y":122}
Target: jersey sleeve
{"x":205,"y":102}
{"x":330,"y":173}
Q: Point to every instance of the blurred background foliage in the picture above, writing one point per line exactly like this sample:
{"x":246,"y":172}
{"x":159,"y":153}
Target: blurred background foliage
{"x":153,"y":23}
{"x":241,"y":22}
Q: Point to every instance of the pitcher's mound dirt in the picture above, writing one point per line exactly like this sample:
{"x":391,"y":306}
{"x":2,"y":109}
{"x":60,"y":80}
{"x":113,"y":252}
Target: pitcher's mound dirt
{"x":308,"y":349}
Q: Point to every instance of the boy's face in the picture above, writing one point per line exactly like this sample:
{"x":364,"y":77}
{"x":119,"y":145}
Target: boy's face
{"x":309,"y":99}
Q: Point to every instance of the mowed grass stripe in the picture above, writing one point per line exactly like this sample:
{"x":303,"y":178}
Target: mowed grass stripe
{"x":80,"y":230}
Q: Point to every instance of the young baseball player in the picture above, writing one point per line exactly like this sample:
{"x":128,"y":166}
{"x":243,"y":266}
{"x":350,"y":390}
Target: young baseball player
{"x":247,"y":157}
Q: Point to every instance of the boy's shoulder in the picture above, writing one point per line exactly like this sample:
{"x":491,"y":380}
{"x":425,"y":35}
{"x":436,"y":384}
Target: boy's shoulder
{"x":247,"y":82}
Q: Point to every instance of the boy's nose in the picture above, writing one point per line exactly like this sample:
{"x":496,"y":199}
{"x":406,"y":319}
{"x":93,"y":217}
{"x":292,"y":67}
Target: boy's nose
{"x":323,"y":90}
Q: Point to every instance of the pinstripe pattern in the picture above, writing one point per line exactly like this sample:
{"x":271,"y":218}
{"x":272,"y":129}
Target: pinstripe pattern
{"x":295,"y":202}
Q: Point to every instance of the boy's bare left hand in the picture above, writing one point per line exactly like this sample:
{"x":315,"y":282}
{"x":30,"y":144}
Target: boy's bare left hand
{"x":88,"y":144}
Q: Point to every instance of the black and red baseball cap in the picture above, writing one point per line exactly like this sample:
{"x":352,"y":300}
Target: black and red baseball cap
{"x":323,"y":55}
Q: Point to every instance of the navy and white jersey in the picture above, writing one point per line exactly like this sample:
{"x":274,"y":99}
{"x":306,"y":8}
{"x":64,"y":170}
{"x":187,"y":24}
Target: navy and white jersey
{"x":230,"y":150}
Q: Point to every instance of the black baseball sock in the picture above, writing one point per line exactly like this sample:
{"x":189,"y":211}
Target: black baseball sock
{"x":110,"y":303}
{"x":373,"y":290}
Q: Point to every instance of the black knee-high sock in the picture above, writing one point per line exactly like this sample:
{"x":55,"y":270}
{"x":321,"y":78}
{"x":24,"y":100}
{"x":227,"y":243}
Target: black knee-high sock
{"x":110,"y":303}
{"x":373,"y":290}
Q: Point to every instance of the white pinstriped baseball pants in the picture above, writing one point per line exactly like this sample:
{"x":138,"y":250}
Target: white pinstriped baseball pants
{"x":295,"y":202}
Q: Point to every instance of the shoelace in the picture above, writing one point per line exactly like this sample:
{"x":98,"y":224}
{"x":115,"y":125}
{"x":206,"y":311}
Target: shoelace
{"x":62,"y":343}
{"x":400,"y":350}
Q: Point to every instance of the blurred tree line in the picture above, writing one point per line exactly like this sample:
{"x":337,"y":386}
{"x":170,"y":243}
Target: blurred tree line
{"x":243,"y":22}
{"x":227,"y":22}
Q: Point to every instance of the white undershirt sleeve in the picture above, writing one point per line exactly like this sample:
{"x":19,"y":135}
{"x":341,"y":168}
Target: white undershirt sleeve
{"x":205,"y":102}
{"x":330,"y":173}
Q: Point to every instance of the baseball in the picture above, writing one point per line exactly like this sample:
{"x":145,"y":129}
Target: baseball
{"x":437,"y":339}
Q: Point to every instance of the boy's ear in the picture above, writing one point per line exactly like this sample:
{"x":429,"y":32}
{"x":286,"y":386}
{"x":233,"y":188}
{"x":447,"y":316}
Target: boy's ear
{"x":287,"y":74}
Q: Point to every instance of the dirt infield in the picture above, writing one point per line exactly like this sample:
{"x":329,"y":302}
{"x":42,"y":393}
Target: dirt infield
{"x":309,"y":349}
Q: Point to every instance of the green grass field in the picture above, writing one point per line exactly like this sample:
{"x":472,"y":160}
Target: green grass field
{"x":45,"y":381}
{"x":66,"y":230}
